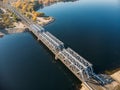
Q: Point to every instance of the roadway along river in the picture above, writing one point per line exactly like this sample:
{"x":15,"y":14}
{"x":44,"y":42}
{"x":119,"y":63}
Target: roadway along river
{"x":91,"y":29}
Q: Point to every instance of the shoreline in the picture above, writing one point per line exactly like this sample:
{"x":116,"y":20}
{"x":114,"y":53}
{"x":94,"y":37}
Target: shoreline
{"x":115,"y":85}
{"x":112,"y":71}
{"x":53,"y":20}
{"x":38,"y":17}
{"x":44,"y":22}
{"x":116,"y":76}
{"x":19,"y":26}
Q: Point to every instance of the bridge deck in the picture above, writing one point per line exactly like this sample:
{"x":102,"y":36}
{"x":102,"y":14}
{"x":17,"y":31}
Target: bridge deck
{"x":78,"y":57}
{"x":54,"y":38}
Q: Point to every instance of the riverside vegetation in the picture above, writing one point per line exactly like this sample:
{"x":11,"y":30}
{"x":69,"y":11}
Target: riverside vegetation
{"x":9,"y":20}
{"x":27,"y":7}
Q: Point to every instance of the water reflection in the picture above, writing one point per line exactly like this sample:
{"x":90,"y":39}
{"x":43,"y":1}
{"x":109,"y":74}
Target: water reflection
{"x":43,"y":3}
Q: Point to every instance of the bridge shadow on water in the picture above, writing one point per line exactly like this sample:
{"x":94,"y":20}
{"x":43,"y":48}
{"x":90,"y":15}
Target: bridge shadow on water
{"x":76,"y":83}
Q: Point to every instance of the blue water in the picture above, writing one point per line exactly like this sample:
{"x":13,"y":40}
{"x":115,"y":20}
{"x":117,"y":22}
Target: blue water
{"x":25,"y":64}
{"x":91,"y":29}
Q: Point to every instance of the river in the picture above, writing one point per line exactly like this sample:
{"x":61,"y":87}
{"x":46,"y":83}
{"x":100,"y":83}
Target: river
{"x":89,"y":28}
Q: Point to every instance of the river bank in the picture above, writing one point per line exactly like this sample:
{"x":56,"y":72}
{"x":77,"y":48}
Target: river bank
{"x":114,"y":73}
{"x":10,"y":23}
{"x":27,"y":8}
{"x":115,"y":85}
{"x":116,"y":77}
{"x":43,"y":22}
{"x":20,"y":27}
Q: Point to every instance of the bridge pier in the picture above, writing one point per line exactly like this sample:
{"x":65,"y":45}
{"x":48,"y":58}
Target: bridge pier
{"x":56,"y":55}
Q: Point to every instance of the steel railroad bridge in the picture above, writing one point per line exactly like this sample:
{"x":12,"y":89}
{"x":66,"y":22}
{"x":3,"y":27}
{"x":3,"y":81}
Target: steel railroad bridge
{"x":79,"y":66}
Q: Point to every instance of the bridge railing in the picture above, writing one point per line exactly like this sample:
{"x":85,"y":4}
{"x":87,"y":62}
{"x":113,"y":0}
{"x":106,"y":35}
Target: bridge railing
{"x":51,"y":40}
{"x":78,"y":57}
{"x":71,"y":66}
{"x":50,"y":45}
{"x":54,"y":38}
{"x":38,"y":28}
{"x":73,"y":59}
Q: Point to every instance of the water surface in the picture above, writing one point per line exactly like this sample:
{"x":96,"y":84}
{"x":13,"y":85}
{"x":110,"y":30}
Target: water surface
{"x":90,"y":28}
